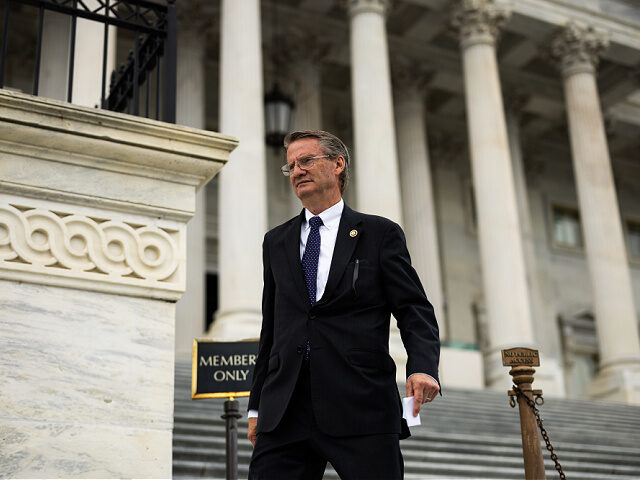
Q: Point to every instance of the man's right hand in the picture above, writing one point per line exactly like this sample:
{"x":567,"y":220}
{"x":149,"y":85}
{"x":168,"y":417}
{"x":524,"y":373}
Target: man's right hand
{"x":253,"y":427}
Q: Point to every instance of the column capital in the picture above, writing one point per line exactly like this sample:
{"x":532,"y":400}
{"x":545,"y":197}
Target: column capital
{"x":192,"y":21}
{"x":479,"y":21}
{"x":297,"y":45}
{"x":515,"y":100}
{"x":446,"y":147}
{"x":360,"y":6}
{"x":409,"y":74}
{"x":577,"y":48}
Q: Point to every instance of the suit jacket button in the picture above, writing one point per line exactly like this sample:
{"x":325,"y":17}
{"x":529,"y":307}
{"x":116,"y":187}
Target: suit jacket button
{"x":299,"y":349}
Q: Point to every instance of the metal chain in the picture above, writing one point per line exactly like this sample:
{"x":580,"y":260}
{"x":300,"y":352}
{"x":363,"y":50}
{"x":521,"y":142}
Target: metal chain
{"x":543,"y":431}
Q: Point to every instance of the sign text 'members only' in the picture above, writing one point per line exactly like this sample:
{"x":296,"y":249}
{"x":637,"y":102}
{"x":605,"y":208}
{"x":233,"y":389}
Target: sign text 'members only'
{"x":222,"y":369}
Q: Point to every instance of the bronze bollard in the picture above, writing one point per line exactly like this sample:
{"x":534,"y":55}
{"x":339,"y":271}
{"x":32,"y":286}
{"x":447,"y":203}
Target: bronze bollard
{"x":522,"y":361}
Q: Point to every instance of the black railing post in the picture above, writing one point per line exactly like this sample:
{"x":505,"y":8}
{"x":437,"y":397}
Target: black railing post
{"x":231,"y":415}
{"x":5,"y":37}
{"x":136,"y":67}
{"x":158,"y":67}
{"x":170,"y":65}
{"x":36,"y":77}
{"x":105,"y":53}
{"x":72,"y":52}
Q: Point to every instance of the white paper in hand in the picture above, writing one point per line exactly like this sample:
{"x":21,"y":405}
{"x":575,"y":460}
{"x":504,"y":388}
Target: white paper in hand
{"x":407,"y":412}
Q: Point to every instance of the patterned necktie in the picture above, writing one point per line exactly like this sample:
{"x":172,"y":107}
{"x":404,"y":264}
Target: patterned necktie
{"x":310,"y":258}
{"x":310,"y":265}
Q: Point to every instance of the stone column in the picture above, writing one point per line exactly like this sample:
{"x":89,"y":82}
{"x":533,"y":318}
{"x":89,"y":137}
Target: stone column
{"x":303,"y":53}
{"x":242,"y":200}
{"x":87,"y":65}
{"x":93,"y":213}
{"x":190,"y":111}
{"x":54,"y":62}
{"x":418,"y":207}
{"x":577,"y":50}
{"x":550,"y":375}
{"x":501,"y":250}
{"x":377,"y":180}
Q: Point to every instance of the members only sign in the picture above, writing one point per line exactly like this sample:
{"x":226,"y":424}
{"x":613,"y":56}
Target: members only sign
{"x":222,"y":369}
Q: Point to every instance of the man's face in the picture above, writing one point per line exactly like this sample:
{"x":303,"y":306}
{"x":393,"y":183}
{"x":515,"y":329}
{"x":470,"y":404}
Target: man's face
{"x":321,"y":180}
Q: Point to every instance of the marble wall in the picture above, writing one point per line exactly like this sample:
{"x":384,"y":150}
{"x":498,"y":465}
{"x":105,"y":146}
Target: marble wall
{"x":87,"y":383}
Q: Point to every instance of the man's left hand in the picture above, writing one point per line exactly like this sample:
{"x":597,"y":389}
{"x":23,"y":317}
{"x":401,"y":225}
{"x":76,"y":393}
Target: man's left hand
{"x":423,"y":389}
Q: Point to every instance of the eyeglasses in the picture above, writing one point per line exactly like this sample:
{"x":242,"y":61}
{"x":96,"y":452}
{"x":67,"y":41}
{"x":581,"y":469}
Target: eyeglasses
{"x":304,"y":163}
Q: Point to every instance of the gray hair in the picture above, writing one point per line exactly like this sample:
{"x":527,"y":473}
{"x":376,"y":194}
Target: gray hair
{"x":330,"y":145}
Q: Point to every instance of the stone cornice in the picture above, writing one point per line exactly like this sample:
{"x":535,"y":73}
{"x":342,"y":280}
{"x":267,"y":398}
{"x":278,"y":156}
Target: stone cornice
{"x":138,"y":142}
{"x":623,"y":31}
{"x":577,"y":48}
{"x":479,"y":21}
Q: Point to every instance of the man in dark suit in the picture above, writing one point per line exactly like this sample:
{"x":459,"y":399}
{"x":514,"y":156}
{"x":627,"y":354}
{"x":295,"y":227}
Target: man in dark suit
{"x":324,"y":386}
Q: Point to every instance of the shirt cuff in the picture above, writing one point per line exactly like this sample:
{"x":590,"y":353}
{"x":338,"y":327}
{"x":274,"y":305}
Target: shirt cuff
{"x":407,"y":379}
{"x":252,"y":414}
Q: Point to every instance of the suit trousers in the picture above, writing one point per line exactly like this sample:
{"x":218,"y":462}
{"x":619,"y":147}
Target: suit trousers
{"x":298,"y":449}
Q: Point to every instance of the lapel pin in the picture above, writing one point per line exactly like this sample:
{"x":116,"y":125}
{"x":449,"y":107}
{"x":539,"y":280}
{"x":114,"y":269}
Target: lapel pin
{"x":353,"y":233}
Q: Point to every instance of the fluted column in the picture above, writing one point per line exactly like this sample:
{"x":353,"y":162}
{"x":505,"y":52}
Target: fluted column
{"x":501,"y":250}
{"x":242,"y":200}
{"x":577,"y":50}
{"x":376,"y":177}
{"x":87,"y":69}
{"x":550,"y":375}
{"x":190,"y":111}
{"x":54,"y":61}
{"x":303,"y":53}
{"x":418,"y":208}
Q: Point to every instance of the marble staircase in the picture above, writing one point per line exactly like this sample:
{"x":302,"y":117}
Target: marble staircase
{"x":464,"y":434}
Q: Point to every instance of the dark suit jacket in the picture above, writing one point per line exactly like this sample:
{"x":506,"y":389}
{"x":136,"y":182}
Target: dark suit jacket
{"x":353,"y":380}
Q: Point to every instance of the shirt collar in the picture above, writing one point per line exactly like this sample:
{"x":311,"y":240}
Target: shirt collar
{"x":330,"y":217}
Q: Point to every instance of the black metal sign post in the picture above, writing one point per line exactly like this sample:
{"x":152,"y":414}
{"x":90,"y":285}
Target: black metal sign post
{"x":224,"y":370}
{"x":522,"y":360}
{"x":231,"y":415}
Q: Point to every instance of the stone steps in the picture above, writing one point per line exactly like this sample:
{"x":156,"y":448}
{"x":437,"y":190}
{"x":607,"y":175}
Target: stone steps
{"x":207,"y":439}
{"x":465,"y":434}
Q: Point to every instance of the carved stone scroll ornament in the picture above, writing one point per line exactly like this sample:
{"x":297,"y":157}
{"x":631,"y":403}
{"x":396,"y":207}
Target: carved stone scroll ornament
{"x":479,"y":21}
{"x":78,"y":246}
{"x":577,"y":48}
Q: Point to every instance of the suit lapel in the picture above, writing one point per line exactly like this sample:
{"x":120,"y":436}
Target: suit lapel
{"x":345,"y":245}
{"x":292,"y":249}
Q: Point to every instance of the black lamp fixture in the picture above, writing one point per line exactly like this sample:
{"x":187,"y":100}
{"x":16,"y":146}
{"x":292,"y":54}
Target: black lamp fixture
{"x":277,"y":106}
{"x":277,"y":110}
